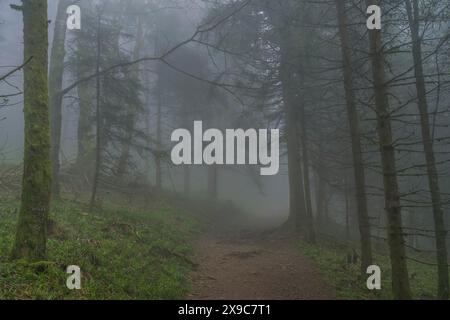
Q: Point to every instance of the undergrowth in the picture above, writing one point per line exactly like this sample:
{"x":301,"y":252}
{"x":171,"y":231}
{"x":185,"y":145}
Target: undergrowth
{"x":331,"y":259}
{"x":123,"y":254}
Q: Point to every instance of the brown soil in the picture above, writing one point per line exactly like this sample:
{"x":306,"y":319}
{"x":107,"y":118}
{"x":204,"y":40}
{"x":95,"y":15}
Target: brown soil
{"x":249,"y":266}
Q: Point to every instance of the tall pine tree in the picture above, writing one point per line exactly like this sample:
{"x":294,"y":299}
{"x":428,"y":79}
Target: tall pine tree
{"x":31,"y":235}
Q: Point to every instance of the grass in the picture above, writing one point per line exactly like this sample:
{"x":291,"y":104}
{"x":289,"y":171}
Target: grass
{"x":331,"y":259}
{"x":122,"y":253}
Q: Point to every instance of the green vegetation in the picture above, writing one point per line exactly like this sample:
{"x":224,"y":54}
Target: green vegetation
{"x":123,"y":254}
{"x":331,"y":259}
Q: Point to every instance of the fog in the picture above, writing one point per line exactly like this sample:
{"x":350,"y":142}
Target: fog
{"x":349,"y":100}
{"x":265,"y":199}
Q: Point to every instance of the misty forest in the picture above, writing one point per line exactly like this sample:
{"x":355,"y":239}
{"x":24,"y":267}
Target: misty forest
{"x":88,"y":184}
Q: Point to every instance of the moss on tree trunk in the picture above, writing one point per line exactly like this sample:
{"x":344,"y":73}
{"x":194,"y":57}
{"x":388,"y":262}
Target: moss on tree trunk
{"x":31,"y":235}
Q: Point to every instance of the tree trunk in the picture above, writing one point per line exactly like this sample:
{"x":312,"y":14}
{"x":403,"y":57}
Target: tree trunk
{"x":288,"y":57}
{"x":400,"y":278}
{"x":302,"y":63}
{"x":31,"y":234}
{"x":86,"y":97}
{"x":320,"y":182}
{"x":158,"y":168}
{"x":297,"y":209}
{"x":433,"y":179}
{"x":347,"y":211}
{"x":55,"y":87}
{"x":296,"y":187}
{"x":310,"y":232}
{"x":353,"y":120}
{"x":187,"y":180}
{"x":98,"y":150}
{"x":85,"y":127}
{"x":131,"y":112}
{"x":213,"y":179}
{"x":321,"y":192}
{"x":148,"y":140}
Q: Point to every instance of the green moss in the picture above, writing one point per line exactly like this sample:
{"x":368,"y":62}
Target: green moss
{"x":330,"y":258}
{"x":123,"y":254}
{"x":30,"y":241}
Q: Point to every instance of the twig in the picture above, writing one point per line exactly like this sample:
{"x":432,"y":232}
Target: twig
{"x":16,"y":69}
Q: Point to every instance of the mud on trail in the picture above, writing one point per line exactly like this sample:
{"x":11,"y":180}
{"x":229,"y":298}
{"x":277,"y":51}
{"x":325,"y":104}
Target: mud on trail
{"x":254,"y":266}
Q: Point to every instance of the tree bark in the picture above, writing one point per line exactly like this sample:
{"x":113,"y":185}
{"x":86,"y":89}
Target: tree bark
{"x":355,"y":135}
{"x":147,"y":106}
{"x":288,"y":57}
{"x":98,"y":149}
{"x":433,"y":179}
{"x":297,"y":208}
{"x":321,"y":192}
{"x":400,"y":278}
{"x":302,"y":63}
{"x":55,"y":87}
{"x":213,"y":181}
{"x":31,"y":235}
{"x":310,"y":234}
{"x":347,"y":211}
{"x":85,"y":127}
{"x":187,"y":180}
{"x":131,"y":110}
{"x":86,"y":96}
{"x":158,"y":167}
{"x":212,"y":170}
{"x":320,"y":182}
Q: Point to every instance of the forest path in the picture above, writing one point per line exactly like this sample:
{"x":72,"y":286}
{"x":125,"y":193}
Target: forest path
{"x":251,"y":266}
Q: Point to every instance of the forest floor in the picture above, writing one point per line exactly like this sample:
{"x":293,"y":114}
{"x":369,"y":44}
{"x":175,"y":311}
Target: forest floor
{"x":123,"y":252}
{"x":329,"y":256}
{"x":243,"y":265}
{"x":164,"y":252}
{"x":233,"y":262}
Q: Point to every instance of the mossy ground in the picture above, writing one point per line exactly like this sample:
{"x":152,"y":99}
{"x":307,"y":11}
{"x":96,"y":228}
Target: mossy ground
{"x":123,"y":254}
{"x":331,"y":259}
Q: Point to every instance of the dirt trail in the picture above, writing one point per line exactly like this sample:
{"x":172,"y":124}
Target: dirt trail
{"x":249,"y":266}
